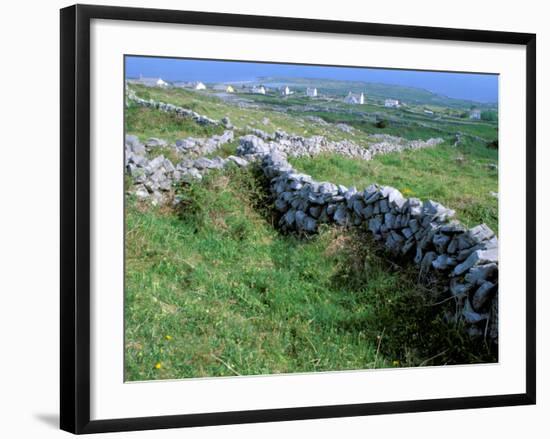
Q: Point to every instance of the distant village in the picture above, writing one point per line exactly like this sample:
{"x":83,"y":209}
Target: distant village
{"x":283,"y":91}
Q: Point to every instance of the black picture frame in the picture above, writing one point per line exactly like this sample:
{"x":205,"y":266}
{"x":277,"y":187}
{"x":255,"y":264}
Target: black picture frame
{"x":75,"y":217}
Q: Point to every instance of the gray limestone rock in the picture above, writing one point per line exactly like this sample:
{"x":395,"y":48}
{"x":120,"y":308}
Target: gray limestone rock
{"x":482,"y":294}
{"x":478,"y":257}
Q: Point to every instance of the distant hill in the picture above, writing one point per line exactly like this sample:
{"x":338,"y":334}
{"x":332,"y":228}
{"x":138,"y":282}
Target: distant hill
{"x":411,"y":95}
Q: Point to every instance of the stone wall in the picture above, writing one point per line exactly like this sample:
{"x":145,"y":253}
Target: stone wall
{"x":423,"y":231}
{"x":170,"y":108}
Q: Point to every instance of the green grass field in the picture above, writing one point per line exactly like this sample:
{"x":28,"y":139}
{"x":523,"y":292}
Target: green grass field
{"x":214,"y":289}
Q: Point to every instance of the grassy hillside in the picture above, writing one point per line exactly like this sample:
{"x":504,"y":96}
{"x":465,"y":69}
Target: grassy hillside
{"x":214,"y":290}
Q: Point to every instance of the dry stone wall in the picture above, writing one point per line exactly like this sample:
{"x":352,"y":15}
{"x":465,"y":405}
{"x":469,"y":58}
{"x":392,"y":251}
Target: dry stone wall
{"x":423,"y":231}
{"x":170,"y":108}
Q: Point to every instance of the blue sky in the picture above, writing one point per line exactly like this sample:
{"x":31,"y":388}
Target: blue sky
{"x":477,"y":87}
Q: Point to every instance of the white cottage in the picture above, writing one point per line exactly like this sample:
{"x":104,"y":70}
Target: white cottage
{"x":198,"y":85}
{"x":285,"y":91}
{"x":151,"y":82}
{"x":392,"y":103}
{"x":311,"y":92}
{"x":354,"y":98}
{"x":258,"y":89}
{"x":475,"y":114}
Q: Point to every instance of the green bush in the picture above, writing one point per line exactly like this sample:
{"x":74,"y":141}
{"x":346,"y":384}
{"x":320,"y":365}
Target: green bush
{"x":382,"y":123}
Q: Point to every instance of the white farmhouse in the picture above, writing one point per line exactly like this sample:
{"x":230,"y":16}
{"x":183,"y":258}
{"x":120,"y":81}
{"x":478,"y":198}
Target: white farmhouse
{"x":311,"y":92}
{"x":285,"y":91}
{"x":354,"y":98}
{"x":392,"y":103}
{"x":229,"y":89}
{"x":150,"y":82}
{"x":258,"y":89}
{"x":198,"y":86}
{"x":475,"y":114}
{"x":161,"y":83}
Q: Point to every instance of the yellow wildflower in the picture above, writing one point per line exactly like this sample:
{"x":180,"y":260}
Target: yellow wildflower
{"x":168,"y":337}
{"x":158,"y":365}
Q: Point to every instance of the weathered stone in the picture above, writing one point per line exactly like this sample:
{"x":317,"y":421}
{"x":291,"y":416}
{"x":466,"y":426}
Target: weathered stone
{"x":470,"y":316}
{"x":154,"y":142}
{"x":476,"y":258}
{"x":315,"y":211}
{"x":371,"y":194}
{"x":453,"y":246}
{"x":482,"y":294}
{"x":444,"y":262}
{"x":419,"y":256}
{"x":414,"y":207}
{"x":389,"y":220}
{"x":368,"y":211}
{"x":478,"y":275}
{"x":427,"y":262}
{"x":203,"y":163}
{"x":141,"y":191}
{"x":239,"y":161}
{"x":328,"y":188}
{"x":133,"y":144}
{"x":458,"y":288}
{"x":155,"y":164}
{"x":395,"y":198}
{"x":436,"y":210}
{"x":341,"y":216}
{"x":408,"y":246}
{"x":452,"y":228}
{"x":394,"y":242}
{"x":440,"y":242}
{"x":375,"y":224}
{"x":281,"y":205}
{"x":480,"y":233}
{"x":191,"y":174}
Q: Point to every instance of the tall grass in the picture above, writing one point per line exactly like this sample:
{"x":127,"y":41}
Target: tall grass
{"x":215,"y":290}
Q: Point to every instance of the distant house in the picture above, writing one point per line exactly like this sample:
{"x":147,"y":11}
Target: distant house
{"x":223,"y":87}
{"x":311,"y":92}
{"x":475,"y":114}
{"x":198,"y":85}
{"x":430,"y":112}
{"x":195,"y":85}
{"x":392,"y":103}
{"x":151,"y":82}
{"x":285,"y":91}
{"x":258,"y":89}
{"x":354,"y":98}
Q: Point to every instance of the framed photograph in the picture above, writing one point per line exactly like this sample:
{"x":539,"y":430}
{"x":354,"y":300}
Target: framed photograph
{"x":275,"y":218}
